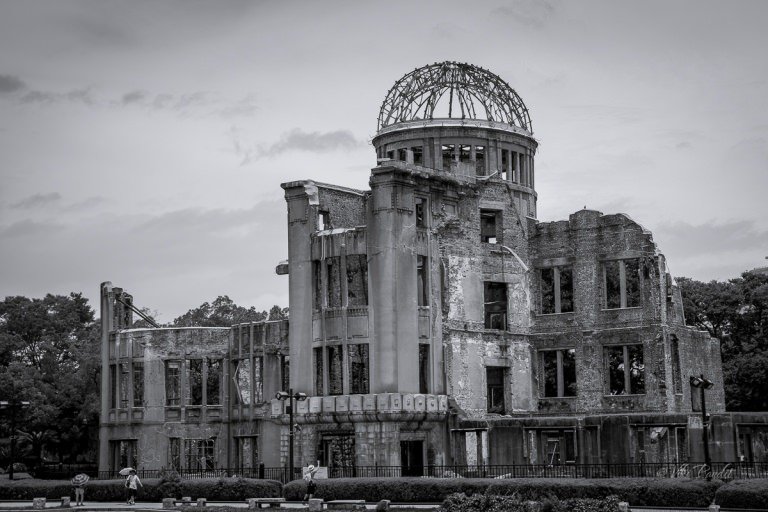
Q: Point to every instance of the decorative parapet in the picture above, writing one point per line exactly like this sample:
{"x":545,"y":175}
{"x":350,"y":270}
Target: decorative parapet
{"x":362,"y":408}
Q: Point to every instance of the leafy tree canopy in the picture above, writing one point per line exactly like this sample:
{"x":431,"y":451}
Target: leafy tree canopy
{"x":223,"y":312}
{"x":736,"y":312}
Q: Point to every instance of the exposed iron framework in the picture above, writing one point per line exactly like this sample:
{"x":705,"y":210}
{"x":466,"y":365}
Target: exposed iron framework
{"x":472,"y":93}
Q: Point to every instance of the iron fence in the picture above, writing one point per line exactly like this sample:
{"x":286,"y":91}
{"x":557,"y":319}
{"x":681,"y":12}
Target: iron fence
{"x":719,"y":470}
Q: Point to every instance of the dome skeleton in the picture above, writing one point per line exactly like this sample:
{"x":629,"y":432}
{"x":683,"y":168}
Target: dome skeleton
{"x":476,"y":92}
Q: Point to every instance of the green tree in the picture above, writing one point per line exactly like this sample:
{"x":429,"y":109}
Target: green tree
{"x":736,"y":312}
{"x":50,"y":357}
{"x":223,"y":312}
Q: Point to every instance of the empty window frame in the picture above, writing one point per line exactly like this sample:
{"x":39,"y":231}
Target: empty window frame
{"x":621,"y":283}
{"x":423,"y":368}
{"x":125,"y":376}
{"x":174,"y":453}
{"x":173,"y":383}
{"x":674,"y":348}
{"x":318,"y":372}
{"x":247,"y":377}
{"x":317,"y":285}
{"x":112,"y":386}
{"x":556,"y":290}
{"x":357,"y":280}
{"x":558,"y":370}
{"x":480,"y":160}
{"x":402,"y":154}
{"x":213,"y":382}
{"x":624,"y":370}
{"x":333,"y":273}
{"x":420,"y":211}
{"x":285,"y":371}
{"x":490,"y":223}
{"x":465,"y":153}
{"x":335,"y":370}
{"x":391,"y":154}
{"x":358,"y":369}
{"x":138,"y":384}
{"x":495,"y":305}
{"x":559,"y":446}
{"x":494,"y":376}
{"x":447,"y":154}
{"x":323,"y":220}
{"x":422,"y":286}
{"x":200,"y":454}
{"x":247,"y":452}
{"x":195,"y":373}
{"x":418,"y":155}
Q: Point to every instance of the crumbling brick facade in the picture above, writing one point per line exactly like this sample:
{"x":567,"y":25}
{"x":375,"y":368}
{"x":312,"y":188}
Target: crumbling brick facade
{"x":434,"y":320}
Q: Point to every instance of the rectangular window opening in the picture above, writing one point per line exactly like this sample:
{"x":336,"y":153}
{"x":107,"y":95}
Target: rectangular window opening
{"x":213,"y":382}
{"x":625,"y":369}
{"x":495,"y":303}
{"x":402,"y":154}
{"x":318,"y":372}
{"x":421,"y":281}
{"x":195,"y":371}
{"x":621,"y":283}
{"x":333,"y":266}
{"x":418,"y":155}
{"x":335,"y":370}
{"x":138,"y":384}
{"x":423,"y":368}
{"x":558,"y":368}
{"x":489,"y":223}
{"x":357,"y":280}
{"x":323,"y":220}
{"x":495,"y":389}
{"x":465,"y":152}
{"x":480,"y":160}
{"x":420,"y":210}
{"x":447,"y":154}
{"x":173,"y":383}
{"x":358,"y":369}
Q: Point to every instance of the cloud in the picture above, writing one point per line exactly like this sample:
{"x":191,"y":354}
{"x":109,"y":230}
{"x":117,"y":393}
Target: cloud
{"x":85,"y":204}
{"x":528,"y":13}
{"x":83,"y":96}
{"x":683,"y":145}
{"x":133,"y":97}
{"x":295,"y":140}
{"x":10,"y":83}
{"x":28,"y":228}
{"x":36,"y":200}
{"x":712,"y":237}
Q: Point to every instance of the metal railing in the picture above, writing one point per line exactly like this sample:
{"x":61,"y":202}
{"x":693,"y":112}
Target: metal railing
{"x":720,"y":470}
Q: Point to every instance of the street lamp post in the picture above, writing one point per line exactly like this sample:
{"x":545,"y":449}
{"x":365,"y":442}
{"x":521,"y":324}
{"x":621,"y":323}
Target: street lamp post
{"x":290,"y":395}
{"x":14,"y":406}
{"x":702,"y":383}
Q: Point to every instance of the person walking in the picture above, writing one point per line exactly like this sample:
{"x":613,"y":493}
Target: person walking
{"x":133,"y":483}
{"x":309,"y":477}
{"x":78,"y":483}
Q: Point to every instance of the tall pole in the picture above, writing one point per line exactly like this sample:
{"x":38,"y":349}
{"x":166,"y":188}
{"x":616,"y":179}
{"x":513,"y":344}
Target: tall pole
{"x":13,"y":441}
{"x":705,"y":432}
{"x":290,"y":435}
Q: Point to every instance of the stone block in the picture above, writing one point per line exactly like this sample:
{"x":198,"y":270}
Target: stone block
{"x":66,"y":502}
{"x":302,"y":406}
{"x":356,"y":403}
{"x":201,"y":502}
{"x":38,"y":503}
{"x":369,"y":402}
{"x":442,"y":403}
{"x":277,"y":407}
{"x":409,"y":404}
{"x":329,"y":404}
{"x":382,"y":402}
{"x":316,"y":404}
{"x":420,"y":403}
{"x":714,"y":508}
{"x":623,"y":506}
{"x":186,"y":500}
{"x":431,"y":403}
{"x":169,"y":503}
{"x":342,"y":403}
{"x":315,"y":504}
{"x":395,"y":402}
{"x":382,"y":505}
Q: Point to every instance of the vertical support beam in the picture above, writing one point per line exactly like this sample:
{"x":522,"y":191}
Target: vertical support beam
{"x":107,"y":318}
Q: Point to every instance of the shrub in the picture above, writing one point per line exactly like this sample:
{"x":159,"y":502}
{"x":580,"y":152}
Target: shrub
{"x":743,"y":494}
{"x":225,"y":489}
{"x":486,"y":502}
{"x":607,"y":504}
{"x":637,"y":491}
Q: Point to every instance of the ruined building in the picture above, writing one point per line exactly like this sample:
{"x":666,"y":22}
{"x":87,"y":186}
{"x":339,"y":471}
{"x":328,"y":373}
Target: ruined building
{"x":433,"y":321}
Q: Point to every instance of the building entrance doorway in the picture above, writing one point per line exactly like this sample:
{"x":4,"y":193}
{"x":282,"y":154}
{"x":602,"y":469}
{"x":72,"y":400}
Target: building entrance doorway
{"x":412,"y":458}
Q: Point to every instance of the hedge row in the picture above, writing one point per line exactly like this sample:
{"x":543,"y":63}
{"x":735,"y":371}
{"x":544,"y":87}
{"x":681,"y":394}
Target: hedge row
{"x":221,"y":489}
{"x":637,"y":491}
{"x":743,"y":494}
{"x":513,"y":503}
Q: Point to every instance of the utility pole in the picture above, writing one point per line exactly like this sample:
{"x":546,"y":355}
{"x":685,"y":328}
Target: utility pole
{"x":290,"y":395}
{"x":702,"y":383}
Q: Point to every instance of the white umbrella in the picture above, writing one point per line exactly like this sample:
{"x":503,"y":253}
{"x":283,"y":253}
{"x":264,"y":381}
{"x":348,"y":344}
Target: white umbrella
{"x":126,"y":471}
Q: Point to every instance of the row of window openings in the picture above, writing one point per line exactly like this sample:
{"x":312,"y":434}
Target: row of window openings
{"x":329,"y":369}
{"x":511,"y":161}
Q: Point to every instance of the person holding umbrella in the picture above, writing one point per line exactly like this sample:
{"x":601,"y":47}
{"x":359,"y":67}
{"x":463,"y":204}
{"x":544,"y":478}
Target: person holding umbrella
{"x":132,"y":483}
{"x":78,"y":482}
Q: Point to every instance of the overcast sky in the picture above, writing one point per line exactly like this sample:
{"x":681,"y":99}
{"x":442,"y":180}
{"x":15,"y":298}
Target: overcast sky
{"x":144,"y":142}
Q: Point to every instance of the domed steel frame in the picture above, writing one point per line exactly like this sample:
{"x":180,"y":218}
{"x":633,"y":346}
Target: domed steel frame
{"x":474,"y":90}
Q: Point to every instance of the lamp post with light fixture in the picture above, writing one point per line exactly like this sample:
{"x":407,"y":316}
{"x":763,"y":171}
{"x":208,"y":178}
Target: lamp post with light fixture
{"x":290,"y":395}
{"x":702,"y":383}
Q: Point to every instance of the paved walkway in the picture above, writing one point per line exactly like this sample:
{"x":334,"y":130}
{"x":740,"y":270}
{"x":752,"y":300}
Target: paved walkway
{"x":7,"y":506}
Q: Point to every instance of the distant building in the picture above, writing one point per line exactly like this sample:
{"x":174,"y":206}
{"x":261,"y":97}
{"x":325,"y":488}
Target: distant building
{"x":433,"y":321}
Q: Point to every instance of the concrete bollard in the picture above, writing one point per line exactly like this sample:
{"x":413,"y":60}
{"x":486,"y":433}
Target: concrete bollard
{"x":623,"y":506}
{"x":38,"y":503}
{"x":201,"y":502}
{"x":315,"y":505}
{"x":169,"y":503}
{"x":186,"y":500}
{"x":383,"y":505}
{"x":714,"y":508}
{"x":66,"y":502}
